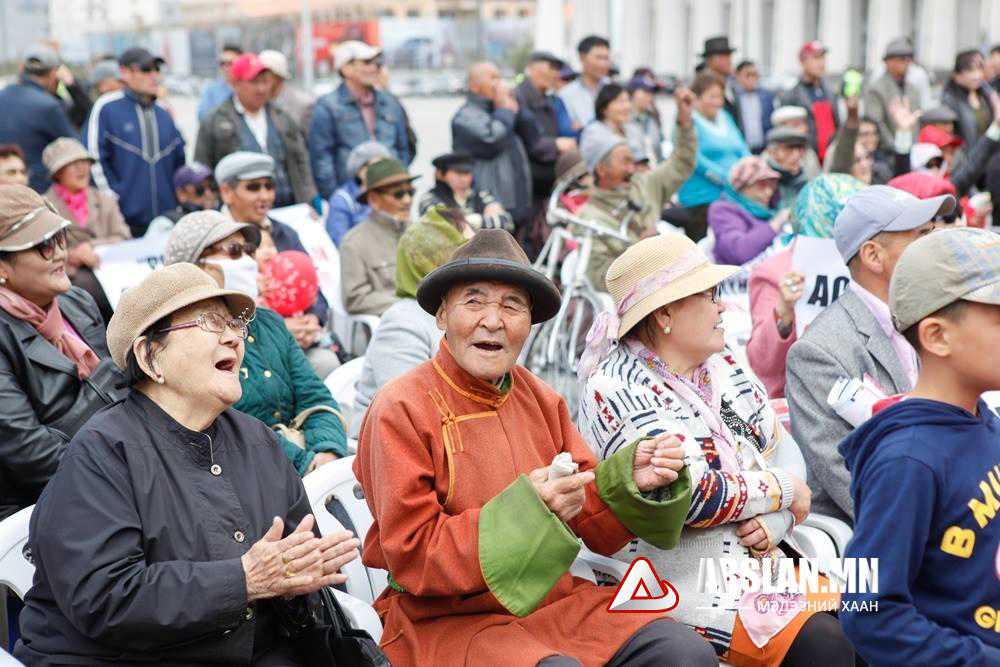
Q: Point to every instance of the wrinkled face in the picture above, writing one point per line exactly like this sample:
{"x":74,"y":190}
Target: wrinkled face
{"x":393,"y":200}
{"x":973,"y":77}
{"x":486,"y":324}
{"x":37,"y":279}
{"x":144,"y":79}
{"x":13,"y":171}
{"x":362,"y":72}
{"x":748,"y":77}
{"x":75,"y":176}
{"x":254,"y":94}
{"x":761,"y":191}
{"x":459,"y":180}
{"x":868,"y":136}
{"x":617,"y":169}
{"x":618,"y":111}
{"x":889,"y":247}
{"x":710,"y":101}
{"x":721,"y":63}
{"x":788,"y":157}
{"x":201,"y":365}
{"x":596,"y":63}
{"x":695,"y":326}
{"x":249,"y":201}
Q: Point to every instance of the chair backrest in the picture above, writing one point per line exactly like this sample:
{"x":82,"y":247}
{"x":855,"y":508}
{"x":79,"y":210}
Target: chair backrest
{"x":336,"y":479}
{"x":16,"y":568}
{"x":342,"y":384}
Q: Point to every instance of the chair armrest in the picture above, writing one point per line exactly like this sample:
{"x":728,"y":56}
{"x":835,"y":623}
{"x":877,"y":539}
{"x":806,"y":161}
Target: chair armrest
{"x":361,"y":614}
{"x":838,"y":530}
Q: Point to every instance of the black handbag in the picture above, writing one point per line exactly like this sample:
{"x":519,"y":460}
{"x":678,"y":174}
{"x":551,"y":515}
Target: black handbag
{"x":330,"y":640}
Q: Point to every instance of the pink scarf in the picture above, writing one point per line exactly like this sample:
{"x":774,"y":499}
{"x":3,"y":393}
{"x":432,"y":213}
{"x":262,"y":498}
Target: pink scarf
{"x":53,"y":329}
{"x":76,"y":202}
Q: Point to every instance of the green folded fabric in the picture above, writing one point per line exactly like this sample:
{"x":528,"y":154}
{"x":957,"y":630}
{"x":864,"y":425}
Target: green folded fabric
{"x":523,"y":547}
{"x":658,"y":521}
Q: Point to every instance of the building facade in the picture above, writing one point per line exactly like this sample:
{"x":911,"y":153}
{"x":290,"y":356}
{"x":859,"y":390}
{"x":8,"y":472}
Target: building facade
{"x":668,"y":34}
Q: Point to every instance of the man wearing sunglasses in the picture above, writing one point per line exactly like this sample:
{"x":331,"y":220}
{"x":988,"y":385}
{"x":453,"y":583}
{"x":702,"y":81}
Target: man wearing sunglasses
{"x":137,"y":146}
{"x":194,"y":186}
{"x":355,"y":112}
{"x":368,"y":251}
{"x":221,"y":89}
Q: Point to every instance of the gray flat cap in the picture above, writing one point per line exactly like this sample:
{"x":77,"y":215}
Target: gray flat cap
{"x":596,"y":142}
{"x":901,"y":47}
{"x":243,"y":166}
{"x":196,"y":231}
{"x":364,"y":153}
{"x":787,"y":136}
{"x":105,"y":69}
{"x":40,"y":58}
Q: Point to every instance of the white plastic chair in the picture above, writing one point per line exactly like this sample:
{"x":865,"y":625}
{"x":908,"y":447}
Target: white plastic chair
{"x":16,"y":571}
{"x":336,"y":479}
{"x":7,"y":660}
{"x":835,"y":530}
{"x":342,"y":383}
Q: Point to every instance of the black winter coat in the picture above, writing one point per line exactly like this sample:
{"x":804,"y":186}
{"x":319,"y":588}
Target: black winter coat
{"x":43,"y":403}
{"x":138,"y":537}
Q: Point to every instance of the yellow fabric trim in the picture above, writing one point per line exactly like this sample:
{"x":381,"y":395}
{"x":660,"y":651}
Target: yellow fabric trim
{"x":494,"y":402}
{"x":452,"y":435}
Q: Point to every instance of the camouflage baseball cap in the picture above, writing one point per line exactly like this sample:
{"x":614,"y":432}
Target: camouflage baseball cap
{"x":961,"y":264}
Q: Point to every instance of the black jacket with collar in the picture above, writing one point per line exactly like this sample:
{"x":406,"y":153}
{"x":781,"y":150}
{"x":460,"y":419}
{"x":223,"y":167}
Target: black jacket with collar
{"x":43,"y":402}
{"x":138,"y":540}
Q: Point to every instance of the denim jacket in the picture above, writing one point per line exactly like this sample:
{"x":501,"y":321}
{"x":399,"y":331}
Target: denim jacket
{"x":338,"y":126}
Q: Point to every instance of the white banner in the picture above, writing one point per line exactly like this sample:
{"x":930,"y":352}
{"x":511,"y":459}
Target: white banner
{"x":125,"y":264}
{"x":826,"y":278}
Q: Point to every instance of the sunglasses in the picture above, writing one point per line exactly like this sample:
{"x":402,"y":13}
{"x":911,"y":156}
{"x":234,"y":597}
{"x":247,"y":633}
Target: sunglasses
{"x":234,"y":250}
{"x":150,"y":67}
{"x":47,"y":248}
{"x":402,"y":193}
{"x":257,"y":186}
{"x":225,"y":63}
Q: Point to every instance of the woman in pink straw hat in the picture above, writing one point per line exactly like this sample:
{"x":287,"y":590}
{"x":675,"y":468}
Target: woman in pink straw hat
{"x":742,"y":220}
{"x":658,"y":364}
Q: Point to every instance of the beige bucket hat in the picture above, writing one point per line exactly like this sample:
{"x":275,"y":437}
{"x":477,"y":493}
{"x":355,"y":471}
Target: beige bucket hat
{"x":164,"y":291}
{"x":682,"y":266}
{"x":64,"y":151}
{"x":26,"y":219}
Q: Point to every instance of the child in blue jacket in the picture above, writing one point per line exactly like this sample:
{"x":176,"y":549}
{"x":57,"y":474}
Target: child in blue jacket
{"x":926,"y":471}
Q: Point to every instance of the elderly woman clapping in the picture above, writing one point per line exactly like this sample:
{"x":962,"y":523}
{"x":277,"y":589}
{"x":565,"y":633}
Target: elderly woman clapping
{"x":175,"y":529}
{"x":658,"y":365}
{"x":55,"y":370}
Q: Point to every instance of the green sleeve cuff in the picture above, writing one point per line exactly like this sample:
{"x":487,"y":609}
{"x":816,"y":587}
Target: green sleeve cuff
{"x":523,"y":547}
{"x":299,"y":457}
{"x":657,"y":521}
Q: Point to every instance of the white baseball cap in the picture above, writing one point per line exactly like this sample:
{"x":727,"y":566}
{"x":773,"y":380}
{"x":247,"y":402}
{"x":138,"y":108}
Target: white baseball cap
{"x":276,"y":62}
{"x":353,"y":50}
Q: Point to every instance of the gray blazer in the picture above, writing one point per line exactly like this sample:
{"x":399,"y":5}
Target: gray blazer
{"x":844,"y":341}
{"x":405,"y":338}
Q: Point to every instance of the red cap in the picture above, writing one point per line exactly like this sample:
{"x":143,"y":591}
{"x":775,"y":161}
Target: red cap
{"x":940,"y":138}
{"x":813,"y":48}
{"x":923,"y":186}
{"x":246,"y":67}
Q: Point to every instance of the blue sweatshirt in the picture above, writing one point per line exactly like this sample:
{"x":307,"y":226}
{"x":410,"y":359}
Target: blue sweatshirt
{"x":720,"y":145}
{"x":925,"y":478}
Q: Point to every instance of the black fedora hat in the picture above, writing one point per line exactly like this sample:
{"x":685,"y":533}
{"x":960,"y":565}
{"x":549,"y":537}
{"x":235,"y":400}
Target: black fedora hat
{"x":715,"y":46}
{"x":493,"y":255}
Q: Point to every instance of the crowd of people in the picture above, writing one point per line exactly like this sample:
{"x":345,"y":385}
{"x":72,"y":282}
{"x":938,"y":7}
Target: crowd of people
{"x":162,"y":434}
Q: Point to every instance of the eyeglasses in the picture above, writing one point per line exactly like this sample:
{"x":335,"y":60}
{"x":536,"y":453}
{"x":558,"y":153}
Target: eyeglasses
{"x":149,"y":67}
{"x":225,"y":63}
{"x":233,"y":250}
{"x":213,"y":323}
{"x":402,"y":194}
{"x":47,"y":248}
{"x":715,"y":294}
{"x":256,"y":186}
{"x":201,"y":188}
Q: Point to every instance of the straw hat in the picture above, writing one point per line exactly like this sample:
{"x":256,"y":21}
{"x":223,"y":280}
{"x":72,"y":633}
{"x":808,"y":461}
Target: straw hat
{"x":656,"y":255}
{"x":165,"y":291}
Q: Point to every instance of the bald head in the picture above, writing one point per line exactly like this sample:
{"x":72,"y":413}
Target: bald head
{"x":483,"y":79}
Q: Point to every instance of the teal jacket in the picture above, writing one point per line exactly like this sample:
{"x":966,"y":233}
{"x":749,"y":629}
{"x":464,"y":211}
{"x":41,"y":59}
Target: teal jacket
{"x":278,"y":383}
